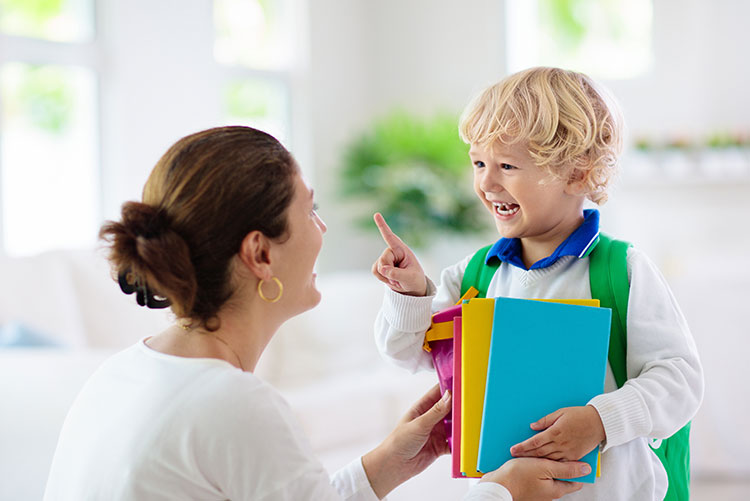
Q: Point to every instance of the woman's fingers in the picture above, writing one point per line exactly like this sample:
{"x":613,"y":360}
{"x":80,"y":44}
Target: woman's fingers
{"x":427,"y":419}
{"x":566,"y":469}
{"x":562,"y":488}
{"x":533,"y":478}
{"x":425,"y":402}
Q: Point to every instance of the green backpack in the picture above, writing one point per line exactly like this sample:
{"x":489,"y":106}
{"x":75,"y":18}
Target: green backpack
{"x":608,"y":276}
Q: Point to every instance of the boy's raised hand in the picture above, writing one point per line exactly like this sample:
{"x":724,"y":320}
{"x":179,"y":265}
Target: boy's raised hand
{"x":397,"y":266}
{"x":568,"y":433}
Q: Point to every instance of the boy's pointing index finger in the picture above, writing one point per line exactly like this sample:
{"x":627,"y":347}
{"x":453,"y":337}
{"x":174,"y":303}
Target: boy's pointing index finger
{"x":385,"y":231}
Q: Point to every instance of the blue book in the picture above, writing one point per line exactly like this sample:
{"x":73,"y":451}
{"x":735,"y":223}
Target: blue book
{"x":543,"y":356}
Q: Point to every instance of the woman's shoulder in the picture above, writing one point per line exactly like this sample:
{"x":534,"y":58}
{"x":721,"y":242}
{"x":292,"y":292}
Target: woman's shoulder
{"x":203,"y":393}
{"x":241,"y":398}
{"x":231,"y":386}
{"x":240,"y":409}
{"x":203,"y":388}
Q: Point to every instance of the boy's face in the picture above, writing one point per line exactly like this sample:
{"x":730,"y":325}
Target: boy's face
{"x":525,"y":201}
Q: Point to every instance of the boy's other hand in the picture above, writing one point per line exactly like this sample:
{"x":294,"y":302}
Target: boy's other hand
{"x":568,"y":433}
{"x":397,"y":266}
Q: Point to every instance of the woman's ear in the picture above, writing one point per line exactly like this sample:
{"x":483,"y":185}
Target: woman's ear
{"x":255,"y":254}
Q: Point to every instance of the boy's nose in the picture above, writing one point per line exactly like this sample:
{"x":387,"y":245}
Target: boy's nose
{"x":489,"y":182}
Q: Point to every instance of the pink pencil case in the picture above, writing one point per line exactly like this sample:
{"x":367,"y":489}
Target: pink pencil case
{"x":439,"y":343}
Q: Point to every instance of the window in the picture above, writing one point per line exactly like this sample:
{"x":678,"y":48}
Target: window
{"x":48,"y":114}
{"x":55,"y":20}
{"x":62,"y":97}
{"x":254,"y":44}
{"x":257,"y":102}
{"x":608,"y":39}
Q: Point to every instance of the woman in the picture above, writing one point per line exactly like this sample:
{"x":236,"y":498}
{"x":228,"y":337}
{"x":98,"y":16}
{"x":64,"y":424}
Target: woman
{"x":227,"y":235}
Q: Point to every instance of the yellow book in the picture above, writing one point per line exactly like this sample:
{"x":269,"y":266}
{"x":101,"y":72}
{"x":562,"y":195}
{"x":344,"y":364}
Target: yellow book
{"x":475,"y":349}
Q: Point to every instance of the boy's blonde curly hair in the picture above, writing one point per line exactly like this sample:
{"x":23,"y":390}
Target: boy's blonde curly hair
{"x":573,"y":128}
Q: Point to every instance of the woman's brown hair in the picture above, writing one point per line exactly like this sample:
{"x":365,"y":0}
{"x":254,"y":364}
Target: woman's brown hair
{"x":205,"y":194}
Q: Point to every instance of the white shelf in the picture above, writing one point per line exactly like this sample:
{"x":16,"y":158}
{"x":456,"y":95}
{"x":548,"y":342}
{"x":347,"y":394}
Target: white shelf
{"x":688,"y":168}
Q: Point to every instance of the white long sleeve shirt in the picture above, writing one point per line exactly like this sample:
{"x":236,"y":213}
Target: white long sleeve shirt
{"x":665,"y":385}
{"x":151,"y":426}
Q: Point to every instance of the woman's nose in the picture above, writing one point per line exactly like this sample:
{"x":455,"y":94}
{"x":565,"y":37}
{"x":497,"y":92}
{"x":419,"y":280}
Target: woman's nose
{"x":321,"y":224}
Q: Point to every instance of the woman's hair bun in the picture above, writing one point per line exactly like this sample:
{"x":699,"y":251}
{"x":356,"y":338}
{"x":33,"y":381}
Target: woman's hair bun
{"x":155,"y":257}
{"x":143,"y":220}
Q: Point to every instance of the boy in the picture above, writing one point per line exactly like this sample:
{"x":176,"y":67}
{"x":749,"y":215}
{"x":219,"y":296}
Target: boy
{"x":542,"y":142}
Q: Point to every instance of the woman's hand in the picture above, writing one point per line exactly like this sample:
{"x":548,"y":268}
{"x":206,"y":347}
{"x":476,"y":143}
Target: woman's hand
{"x":412,"y":446}
{"x":568,"y":433}
{"x":419,"y":439}
{"x":532,"y":478}
{"x":397,"y":266}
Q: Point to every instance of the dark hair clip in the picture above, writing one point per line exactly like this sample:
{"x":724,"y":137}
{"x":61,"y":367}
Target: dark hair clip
{"x":144,"y":297}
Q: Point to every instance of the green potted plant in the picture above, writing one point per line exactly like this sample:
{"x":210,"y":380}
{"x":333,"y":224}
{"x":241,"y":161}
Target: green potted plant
{"x":417,"y":173}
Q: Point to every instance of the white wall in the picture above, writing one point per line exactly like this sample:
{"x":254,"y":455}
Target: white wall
{"x":360,"y":59}
{"x":142,"y":117}
{"x":699,"y":76}
{"x":369,"y":57}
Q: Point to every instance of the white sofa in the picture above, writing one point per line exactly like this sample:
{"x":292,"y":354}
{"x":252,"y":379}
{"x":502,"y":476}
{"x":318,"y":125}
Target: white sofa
{"x":324,"y":362}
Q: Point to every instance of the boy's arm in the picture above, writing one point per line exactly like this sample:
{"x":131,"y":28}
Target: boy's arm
{"x":403,"y":319}
{"x":665,"y":376}
{"x":664,"y":387}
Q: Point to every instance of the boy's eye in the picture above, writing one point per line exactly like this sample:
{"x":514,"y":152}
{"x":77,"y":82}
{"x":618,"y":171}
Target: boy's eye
{"x":506,"y":166}
{"x":479,"y":164}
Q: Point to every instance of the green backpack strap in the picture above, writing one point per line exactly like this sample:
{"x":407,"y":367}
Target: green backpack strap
{"x":608,"y":276}
{"x":478,"y":274}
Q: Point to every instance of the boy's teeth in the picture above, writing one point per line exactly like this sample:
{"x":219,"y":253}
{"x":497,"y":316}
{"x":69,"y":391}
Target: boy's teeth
{"x":506,"y":209}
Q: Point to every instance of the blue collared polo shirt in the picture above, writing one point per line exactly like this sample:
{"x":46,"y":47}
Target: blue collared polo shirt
{"x":580,"y":243}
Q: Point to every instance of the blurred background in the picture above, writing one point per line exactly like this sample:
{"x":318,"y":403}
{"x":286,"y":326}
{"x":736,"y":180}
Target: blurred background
{"x":367,"y":96}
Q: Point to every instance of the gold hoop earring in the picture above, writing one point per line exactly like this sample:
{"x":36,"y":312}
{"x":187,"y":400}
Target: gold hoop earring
{"x":263,"y":297}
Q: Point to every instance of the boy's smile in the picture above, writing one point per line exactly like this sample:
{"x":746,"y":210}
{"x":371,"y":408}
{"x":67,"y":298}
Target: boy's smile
{"x":526,"y":201}
{"x":504,"y":209}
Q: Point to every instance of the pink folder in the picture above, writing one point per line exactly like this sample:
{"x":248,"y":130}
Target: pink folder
{"x":456,"y":412}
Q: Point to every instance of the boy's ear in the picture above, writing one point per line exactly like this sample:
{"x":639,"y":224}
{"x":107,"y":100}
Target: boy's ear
{"x":575,"y":188}
{"x":576,"y":183}
{"x":255,"y":253}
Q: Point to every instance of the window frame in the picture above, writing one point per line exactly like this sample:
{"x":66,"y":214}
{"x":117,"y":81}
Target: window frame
{"x":86,"y":54}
